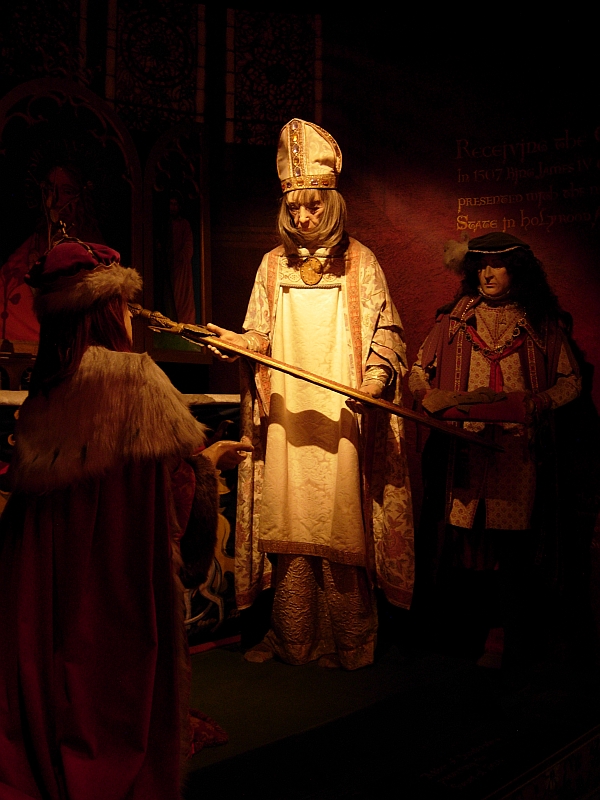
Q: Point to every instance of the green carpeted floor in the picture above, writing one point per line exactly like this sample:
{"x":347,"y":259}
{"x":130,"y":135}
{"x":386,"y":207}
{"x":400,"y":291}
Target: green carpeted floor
{"x":418,"y":726}
{"x":260,"y":703}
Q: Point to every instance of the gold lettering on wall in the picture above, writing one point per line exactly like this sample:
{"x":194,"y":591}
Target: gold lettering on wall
{"x":542,"y":182}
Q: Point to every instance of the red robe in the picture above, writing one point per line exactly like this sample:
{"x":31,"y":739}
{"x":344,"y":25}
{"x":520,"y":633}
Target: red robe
{"x":93,"y":677}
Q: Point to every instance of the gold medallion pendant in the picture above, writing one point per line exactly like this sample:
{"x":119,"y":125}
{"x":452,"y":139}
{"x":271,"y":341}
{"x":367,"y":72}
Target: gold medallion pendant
{"x":311,"y":271}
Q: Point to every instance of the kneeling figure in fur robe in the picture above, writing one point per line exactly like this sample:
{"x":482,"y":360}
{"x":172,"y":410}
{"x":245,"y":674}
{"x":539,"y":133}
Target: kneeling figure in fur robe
{"x":94,"y":671}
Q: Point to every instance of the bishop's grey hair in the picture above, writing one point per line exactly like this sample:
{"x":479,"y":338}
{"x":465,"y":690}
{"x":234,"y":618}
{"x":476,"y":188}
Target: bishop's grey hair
{"x":328,"y":232}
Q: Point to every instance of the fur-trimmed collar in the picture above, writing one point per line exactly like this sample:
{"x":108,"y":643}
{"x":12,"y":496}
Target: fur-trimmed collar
{"x":117,"y":407}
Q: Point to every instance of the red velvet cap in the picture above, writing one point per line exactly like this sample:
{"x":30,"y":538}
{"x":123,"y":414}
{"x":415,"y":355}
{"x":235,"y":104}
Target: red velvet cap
{"x":69,"y":258}
{"x":74,"y":275}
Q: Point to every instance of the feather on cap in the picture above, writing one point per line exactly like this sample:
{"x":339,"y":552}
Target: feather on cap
{"x":454,"y":252}
{"x":74,"y":275}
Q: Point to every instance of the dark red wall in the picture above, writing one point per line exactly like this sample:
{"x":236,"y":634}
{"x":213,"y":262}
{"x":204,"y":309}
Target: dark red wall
{"x":464,"y":144}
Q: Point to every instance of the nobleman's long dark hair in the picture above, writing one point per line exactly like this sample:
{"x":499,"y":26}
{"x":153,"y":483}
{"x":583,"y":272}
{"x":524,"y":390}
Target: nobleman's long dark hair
{"x":65,"y":337}
{"x":529,"y":286}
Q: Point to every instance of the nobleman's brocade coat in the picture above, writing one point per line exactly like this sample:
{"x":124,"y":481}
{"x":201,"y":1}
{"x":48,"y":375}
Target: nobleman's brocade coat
{"x":94,"y":669}
{"x":537,"y":362}
{"x":296,"y":495}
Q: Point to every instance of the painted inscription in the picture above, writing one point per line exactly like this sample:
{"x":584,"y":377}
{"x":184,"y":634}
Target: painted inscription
{"x":538,"y":183}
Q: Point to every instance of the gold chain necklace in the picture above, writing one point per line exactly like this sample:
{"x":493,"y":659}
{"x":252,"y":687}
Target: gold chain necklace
{"x":501,"y":347}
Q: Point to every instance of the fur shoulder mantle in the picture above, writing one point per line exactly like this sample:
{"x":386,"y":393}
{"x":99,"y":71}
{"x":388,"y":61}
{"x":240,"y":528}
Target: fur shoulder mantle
{"x":117,"y":407}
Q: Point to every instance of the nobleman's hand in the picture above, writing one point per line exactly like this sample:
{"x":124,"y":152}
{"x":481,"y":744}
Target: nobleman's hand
{"x":227,"y":454}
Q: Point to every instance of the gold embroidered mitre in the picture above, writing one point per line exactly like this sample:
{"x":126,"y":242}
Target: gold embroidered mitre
{"x":307,"y":157}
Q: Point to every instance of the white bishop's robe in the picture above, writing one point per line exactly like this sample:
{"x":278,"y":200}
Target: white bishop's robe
{"x":317,"y":485}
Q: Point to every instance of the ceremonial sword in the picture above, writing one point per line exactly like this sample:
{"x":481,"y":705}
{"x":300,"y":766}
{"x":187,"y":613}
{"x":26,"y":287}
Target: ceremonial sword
{"x":201,"y":336}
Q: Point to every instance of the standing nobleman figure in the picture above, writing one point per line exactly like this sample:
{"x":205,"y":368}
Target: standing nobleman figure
{"x":327,"y":495}
{"x":499,"y":360}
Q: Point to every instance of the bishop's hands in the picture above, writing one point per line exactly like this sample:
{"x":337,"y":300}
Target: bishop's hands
{"x":227,"y":336}
{"x":373,"y":388}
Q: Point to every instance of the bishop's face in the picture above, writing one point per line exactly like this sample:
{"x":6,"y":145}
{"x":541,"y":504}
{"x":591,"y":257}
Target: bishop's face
{"x":494,"y":280}
{"x":307,"y":215}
